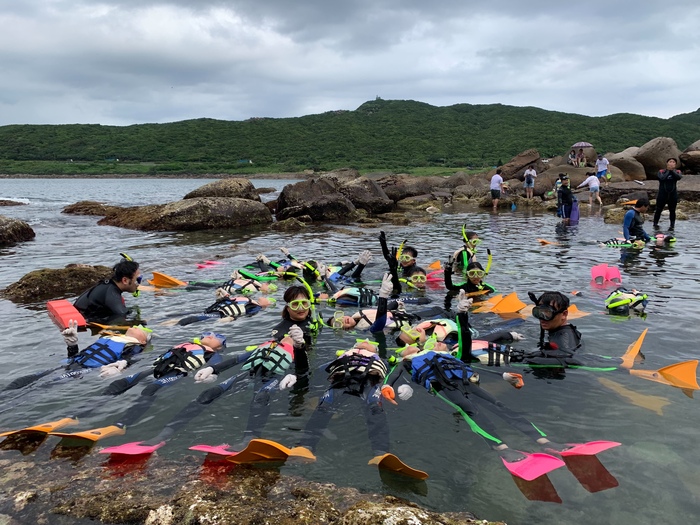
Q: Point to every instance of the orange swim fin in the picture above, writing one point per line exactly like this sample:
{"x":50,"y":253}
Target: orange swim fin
{"x":394,"y":464}
{"x":511,"y":303}
{"x":681,"y":375}
{"x":163,"y":280}
{"x":633,"y":351}
{"x":94,"y":434}
{"x":45,"y":428}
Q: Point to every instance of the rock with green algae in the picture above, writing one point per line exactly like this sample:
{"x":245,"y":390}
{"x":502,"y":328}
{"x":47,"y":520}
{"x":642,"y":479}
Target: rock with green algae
{"x":49,"y":283}
{"x":165,"y":492}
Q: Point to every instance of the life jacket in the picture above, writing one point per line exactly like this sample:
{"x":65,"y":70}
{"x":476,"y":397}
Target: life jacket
{"x":184,"y":358}
{"x":622,"y":300}
{"x":229,"y":307}
{"x":354,"y":368}
{"x":358,"y":296}
{"x":106,"y":350}
{"x":442,"y":328}
{"x":440,"y":370}
{"x":246,"y":286}
{"x":271,"y":355}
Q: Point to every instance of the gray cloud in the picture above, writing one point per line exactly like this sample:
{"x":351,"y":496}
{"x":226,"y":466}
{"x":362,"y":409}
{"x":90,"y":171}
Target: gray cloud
{"x":128,"y":61}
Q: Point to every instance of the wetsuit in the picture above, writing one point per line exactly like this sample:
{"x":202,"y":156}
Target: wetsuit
{"x":356,"y":373}
{"x":264,"y":366}
{"x":632,"y":226}
{"x":667,"y":195}
{"x":170,"y":367}
{"x":233,"y":307}
{"x":565,"y":200}
{"x":102,"y":303}
{"x":103,"y":351}
{"x":453,"y":380}
{"x":467,"y":286}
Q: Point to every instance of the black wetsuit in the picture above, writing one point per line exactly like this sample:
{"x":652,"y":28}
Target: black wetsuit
{"x":102,"y":303}
{"x":467,"y":286}
{"x":667,"y":195}
{"x":565,"y":200}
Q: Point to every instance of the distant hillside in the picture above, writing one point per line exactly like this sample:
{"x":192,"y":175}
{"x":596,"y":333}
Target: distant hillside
{"x":389,"y":134}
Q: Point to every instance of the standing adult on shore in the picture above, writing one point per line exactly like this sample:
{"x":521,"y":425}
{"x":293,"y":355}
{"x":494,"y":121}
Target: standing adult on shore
{"x":668,"y":194}
{"x":601,"y":169}
{"x":529,"y":184}
{"x":496,"y":188}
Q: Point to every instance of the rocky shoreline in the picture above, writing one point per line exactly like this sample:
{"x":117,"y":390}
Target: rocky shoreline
{"x":156,"y":491}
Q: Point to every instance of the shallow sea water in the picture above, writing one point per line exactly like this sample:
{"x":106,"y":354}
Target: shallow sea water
{"x":656,"y":468}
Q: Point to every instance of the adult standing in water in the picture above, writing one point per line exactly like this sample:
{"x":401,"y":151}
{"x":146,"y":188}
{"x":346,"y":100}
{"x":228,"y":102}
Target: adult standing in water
{"x":496,"y":188}
{"x":104,"y":302}
{"x":668,"y":194}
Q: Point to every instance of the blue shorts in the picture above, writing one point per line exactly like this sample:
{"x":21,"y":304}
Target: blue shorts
{"x":527,"y":184}
{"x":601,"y":174}
{"x":595,"y":189}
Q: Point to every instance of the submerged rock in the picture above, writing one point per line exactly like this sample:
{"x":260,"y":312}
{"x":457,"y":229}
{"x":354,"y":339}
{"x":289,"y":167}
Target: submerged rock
{"x":162,"y":492}
{"x":13,"y":231}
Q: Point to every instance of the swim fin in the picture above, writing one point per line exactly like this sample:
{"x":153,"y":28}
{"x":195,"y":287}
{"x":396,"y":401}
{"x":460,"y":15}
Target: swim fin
{"x":613,"y":275}
{"x":633,"y":351}
{"x":134,"y":448}
{"x":94,"y":434}
{"x":584,"y":449}
{"x":261,"y":451}
{"x":529,"y":466}
{"x":511,"y":303}
{"x":681,"y":375}
{"x":394,"y":464}
{"x":598,"y":273}
{"x":163,"y":280}
{"x":219,"y":450}
{"x":44,"y":428}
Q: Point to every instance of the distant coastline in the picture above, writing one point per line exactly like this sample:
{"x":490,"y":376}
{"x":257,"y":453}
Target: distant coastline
{"x":290,"y":176}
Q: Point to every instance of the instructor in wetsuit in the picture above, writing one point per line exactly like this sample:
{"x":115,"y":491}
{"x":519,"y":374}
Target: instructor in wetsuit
{"x":668,"y":194}
{"x":104,"y":302}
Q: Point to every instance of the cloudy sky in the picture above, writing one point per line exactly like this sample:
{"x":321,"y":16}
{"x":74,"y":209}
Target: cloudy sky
{"x":133,"y":61}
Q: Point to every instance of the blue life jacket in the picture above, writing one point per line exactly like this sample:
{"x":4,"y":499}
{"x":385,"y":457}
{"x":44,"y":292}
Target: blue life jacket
{"x":103,"y":352}
{"x":430,"y":369}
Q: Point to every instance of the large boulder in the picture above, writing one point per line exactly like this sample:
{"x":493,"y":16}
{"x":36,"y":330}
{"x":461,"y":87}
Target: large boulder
{"x":516,"y":166}
{"x":48,"y":283}
{"x":630,"y":167}
{"x":191,"y":215}
{"x":690,"y":161}
{"x":320,"y":199}
{"x":399,"y":187}
{"x":13,"y":231}
{"x":653,"y":155}
{"x":90,"y":208}
{"x":233,"y":187}
{"x":366,"y":194}
{"x":690,"y":158}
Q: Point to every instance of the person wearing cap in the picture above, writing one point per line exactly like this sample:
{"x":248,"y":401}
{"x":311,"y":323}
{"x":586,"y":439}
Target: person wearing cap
{"x":602,"y":167}
{"x":109,"y":350}
{"x":634,"y":219}
{"x":104,"y":302}
{"x":565,"y":198}
{"x":667,"y":194}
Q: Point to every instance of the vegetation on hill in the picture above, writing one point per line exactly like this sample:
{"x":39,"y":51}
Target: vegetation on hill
{"x":380,"y":134}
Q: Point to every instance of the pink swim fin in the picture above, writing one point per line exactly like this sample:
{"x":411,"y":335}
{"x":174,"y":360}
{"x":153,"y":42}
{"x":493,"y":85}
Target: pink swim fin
{"x":219,"y":450}
{"x":134,"y":448}
{"x":532,"y":466}
{"x":598,"y":273}
{"x":613,"y":275}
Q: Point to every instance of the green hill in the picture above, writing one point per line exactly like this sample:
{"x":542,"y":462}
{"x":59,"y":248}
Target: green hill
{"x":380,"y":134}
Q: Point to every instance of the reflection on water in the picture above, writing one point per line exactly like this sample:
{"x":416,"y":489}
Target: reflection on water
{"x":649,"y":479}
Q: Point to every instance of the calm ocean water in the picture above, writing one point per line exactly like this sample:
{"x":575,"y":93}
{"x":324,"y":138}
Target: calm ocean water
{"x":656,"y":467}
